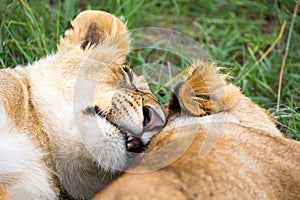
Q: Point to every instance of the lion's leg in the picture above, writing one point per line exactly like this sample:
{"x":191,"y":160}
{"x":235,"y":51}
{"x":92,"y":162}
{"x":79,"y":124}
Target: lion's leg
{"x":22,"y":173}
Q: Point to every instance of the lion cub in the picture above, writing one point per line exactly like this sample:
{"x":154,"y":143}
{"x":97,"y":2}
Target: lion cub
{"x":229,"y":148}
{"x":69,"y":121}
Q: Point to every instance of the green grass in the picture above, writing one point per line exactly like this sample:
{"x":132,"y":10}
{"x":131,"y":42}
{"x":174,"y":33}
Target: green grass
{"x":234,"y":33}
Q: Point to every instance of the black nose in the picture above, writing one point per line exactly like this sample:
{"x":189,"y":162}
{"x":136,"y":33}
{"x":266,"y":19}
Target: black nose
{"x":151,"y":119}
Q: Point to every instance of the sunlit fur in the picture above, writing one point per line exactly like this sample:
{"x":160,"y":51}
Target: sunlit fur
{"x":48,"y":141}
{"x":247,"y":156}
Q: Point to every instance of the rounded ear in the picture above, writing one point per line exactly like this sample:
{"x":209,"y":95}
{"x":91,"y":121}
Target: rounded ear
{"x":194,"y":95}
{"x":202,"y":92}
{"x":91,"y":28}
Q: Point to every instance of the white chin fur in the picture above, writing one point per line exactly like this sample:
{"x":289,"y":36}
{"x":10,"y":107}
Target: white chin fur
{"x":104,"y":142}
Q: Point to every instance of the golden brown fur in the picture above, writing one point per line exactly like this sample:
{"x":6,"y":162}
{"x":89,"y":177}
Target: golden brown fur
{"x":66,"y":120}
{"x":250,"y":159}
{"x":3,"y":194}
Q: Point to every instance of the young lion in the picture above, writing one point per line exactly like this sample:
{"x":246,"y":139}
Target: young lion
{"x":68,"y":121}
{"x":236,"y":150}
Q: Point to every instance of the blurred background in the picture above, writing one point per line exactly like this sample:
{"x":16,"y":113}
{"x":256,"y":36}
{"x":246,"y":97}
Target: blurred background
{"x":253,"y":40}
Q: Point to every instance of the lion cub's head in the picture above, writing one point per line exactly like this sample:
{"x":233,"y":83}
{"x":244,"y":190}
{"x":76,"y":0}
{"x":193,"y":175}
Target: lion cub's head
{"x":115,"y":111}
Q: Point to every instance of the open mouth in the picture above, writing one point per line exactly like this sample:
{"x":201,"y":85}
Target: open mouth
{"x":133,"y":144}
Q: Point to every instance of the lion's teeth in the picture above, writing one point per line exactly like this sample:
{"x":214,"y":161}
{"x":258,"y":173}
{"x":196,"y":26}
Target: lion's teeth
{"x":130,"y":138}
{"x":130,"y":145}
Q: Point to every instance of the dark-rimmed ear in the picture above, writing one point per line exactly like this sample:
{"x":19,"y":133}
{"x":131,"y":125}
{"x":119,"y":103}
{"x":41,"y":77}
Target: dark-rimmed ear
{"x":91,"y":28}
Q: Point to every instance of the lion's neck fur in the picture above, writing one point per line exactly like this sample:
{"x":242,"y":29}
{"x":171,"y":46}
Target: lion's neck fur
{"x":48,"y":112}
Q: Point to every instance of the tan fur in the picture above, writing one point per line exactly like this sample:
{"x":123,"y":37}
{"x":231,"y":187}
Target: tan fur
{"x":250,"y":160}
{"x":3,"y":194}
{"x":63,"y":118}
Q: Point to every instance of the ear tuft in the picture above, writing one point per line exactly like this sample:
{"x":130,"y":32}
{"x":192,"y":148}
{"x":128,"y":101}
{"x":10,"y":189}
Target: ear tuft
{"x":90,"y":28}
{"x":92,"y":37}
{"x":202,"y":92}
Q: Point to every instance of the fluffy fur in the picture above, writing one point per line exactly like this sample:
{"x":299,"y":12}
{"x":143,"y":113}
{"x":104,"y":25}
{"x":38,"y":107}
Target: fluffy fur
{"x":65,"y":119}
{"x":250,"y":159}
